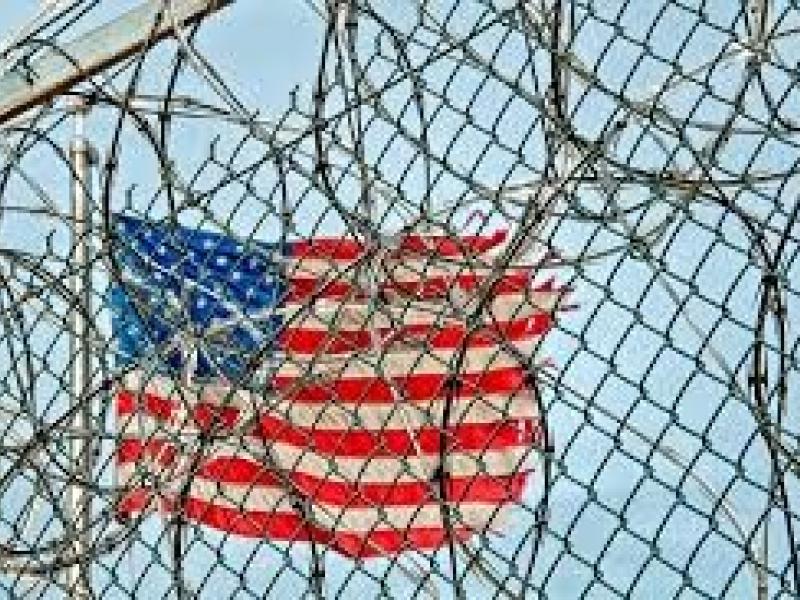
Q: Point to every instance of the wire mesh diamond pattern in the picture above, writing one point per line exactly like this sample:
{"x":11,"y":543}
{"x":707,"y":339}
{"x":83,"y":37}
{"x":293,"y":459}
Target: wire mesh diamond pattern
{"x":472,"y":299}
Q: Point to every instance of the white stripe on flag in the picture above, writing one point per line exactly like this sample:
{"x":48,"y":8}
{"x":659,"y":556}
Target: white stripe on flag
{"x":399,"y":363}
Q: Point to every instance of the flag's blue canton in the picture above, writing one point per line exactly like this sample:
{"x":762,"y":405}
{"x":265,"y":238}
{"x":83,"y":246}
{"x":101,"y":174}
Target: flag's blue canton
{"x":182,"y":284}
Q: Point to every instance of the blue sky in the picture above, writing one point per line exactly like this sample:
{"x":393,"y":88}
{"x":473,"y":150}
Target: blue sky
{"x":625,"y":355}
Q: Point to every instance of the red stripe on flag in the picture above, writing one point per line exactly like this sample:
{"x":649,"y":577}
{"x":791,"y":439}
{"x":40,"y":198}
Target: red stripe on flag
{"x":129,"y":402}
{"x":290,"y":527}
{"x":202,"y":414}
{"x":309,"y":341}
{"x":414,"y":388}
{"x":462,"y":437}
{"x":452,"y":246}
{"x":337,"y":248}
{"x":399,"y":443}
{"x":136,"y":501}
{"x":240,"y":471}
{"x":304,"y":288}
{"x":481,"y":488}
{"x":162,"y":452}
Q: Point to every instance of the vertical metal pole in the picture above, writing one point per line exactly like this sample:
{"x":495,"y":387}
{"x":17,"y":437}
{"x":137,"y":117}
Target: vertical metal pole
{"x":757,"y":15}
{"x":81,"y":157}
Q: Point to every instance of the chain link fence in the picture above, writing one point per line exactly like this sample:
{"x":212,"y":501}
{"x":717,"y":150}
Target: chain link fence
{"x":497,"y":302}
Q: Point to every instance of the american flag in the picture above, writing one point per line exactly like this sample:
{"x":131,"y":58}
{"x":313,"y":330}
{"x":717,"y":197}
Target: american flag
{"x":326,"y":389}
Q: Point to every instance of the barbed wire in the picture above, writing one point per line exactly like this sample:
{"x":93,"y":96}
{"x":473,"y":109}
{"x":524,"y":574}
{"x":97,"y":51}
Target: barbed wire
{"x":633,"y":164}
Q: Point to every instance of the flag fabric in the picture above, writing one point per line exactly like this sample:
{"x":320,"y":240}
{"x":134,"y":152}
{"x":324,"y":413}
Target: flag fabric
{"x":376,"y":364}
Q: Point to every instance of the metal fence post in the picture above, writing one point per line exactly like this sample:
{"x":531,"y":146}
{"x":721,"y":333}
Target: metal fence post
{"x":81,"y":156}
